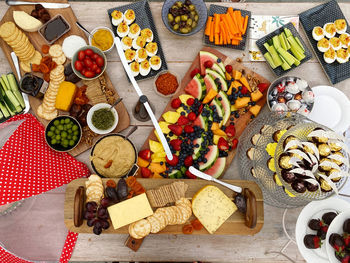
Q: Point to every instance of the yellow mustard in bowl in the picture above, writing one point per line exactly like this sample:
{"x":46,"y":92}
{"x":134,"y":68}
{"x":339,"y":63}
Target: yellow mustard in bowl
{"x":102,"y":39}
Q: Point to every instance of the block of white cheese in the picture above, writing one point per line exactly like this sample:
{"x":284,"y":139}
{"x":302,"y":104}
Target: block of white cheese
{"x":26,"y":22}
{"x":212,"y":207}
{"x":129,"y":211}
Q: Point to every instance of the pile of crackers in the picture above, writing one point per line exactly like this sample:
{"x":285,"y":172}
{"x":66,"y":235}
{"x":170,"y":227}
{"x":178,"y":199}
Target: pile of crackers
{"x":166,"y":194}
{"x":47,"y":109}
{"x":171,"y":215}
{"x":94,"y":189}
{"x":20,"y":44}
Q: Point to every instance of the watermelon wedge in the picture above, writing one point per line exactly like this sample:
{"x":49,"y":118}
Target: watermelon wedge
{"x":205,"y":56}
{"x":210,"y":83}
{"x":211,"y":157}
{"x":218,"y":168}
{"x":196,"y":87}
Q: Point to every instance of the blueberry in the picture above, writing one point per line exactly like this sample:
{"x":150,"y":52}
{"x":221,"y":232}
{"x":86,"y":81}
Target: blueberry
{"x":171,"y":134}
{"x":239,"y":88}
{"x":253,"y":103}
{"x":241,"y":95}
{"x":232,"y":123}
{"x":218,"y":60}
{"x":220,"y":99}
{"x":234,"y":90}
{"x":161,"y":163}
{"x":231,"y":119}
{"x":252,"y":117}
{"x":183,"y":113}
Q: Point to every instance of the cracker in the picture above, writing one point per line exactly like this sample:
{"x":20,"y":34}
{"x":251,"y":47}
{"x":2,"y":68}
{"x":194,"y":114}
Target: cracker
{"x":132,"y":232}
{"x":93,"y":178}
{"x":59,"y":60}
{"x":172,"y":216}
{"x":25,"y":65}
{"x":162,"y":211}
{"x":142,"y":227}
{"x":14,"y":37}
{"x":178,"y":214}
{"x":184,"y":214}
{"x":155,"y":224}
{"x":161,"y":218}
{"x":21,"y":40}
{"x":57,"y":71}
{"x":45,"y":115}
{"x":94,"y":189}
{"x":7,"y":29}
{"x":55,"y":50}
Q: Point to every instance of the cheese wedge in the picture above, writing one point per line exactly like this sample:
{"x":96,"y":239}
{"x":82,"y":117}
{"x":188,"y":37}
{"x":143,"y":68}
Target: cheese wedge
{"x":212,"y":207}
{"x":130,"y":211}
{"x":26,"y":22}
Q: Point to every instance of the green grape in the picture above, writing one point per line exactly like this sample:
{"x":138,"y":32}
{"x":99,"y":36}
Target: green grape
{"x":62,"y":121}
{"x":60,"y":127}
{"x":52,"y":128}
{"x":56,"y":122}
{"x":67,"y":120}
{"x":71,"y":143}
{"x":50,"y":133}
{"x":53,"y":141}
{"x":76,"y":133}
{"x":64,"y":134}
{"x":75,"y":127}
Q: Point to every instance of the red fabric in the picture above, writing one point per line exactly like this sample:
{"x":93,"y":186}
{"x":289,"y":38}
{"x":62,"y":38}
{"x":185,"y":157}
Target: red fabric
{"x":30,"y":167}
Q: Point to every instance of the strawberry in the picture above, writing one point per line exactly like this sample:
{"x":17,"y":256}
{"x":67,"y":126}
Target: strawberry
{"x":346,"y":259}
{"x":190,"y":101}
{"x":145,"y":172}
{"x":312,"y":241}
{"x":228,"y":68}
{"x":262,"y":87}
{"x":195,"y":72}
{"x":234,"y":143}
{"x":208,"y":64}
{"x":189,"y":175}
{"x":230,"y":130}
{"x":182,"y":120}
{"x":191,"y":116}
{"x":188,"y":161}
{"x":223,"y":144}
{"x":176,"y":103}
{"x":244,"y":90}
{"x":176,"y":129}
{"x":145,"y":154}
{"x":174,"y":161}
{"x":176,"y":144}
{"x":200,"y":108}
{"x":346,"y":238}
{"x":188,"y":129}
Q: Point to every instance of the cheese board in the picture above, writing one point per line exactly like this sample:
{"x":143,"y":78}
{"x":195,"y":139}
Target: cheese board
{"x":236,"y":112}
{"x":234,"y":225}
{"x":92,"y":86}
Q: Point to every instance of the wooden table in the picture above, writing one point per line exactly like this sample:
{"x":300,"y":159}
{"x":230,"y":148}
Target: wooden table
{"x":46,"y":233}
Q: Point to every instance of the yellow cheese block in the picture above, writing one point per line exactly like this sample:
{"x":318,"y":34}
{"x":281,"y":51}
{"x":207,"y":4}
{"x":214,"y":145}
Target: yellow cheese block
{"x":212,"y":207}
{"x":130,"y":211}
{"x":65,"y":95}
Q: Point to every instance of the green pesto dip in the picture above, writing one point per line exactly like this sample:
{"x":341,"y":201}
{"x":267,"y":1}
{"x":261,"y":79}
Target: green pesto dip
{"x":103,"y":119}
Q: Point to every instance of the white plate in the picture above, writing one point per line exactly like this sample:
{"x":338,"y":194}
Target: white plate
{"x":98,"y":107}
{"x":315,"y":210}
{"x":331,"y":108}
{"x":335,"y":227}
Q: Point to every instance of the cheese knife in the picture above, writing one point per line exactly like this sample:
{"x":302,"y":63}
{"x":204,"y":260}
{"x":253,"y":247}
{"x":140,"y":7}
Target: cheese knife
{"x":143,"y":98}
{"x":44,"y":4}
{"x":207,"y":177}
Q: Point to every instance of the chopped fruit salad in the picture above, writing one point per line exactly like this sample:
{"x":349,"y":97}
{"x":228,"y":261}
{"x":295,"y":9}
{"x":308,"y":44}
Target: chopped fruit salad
{"x":200,"y":129}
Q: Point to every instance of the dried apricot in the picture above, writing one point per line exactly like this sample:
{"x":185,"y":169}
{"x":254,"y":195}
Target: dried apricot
{"x":197,"y":225}
{"x":46,"y":60}
{"x":47,"y":77}
{"x":45,"y":49}
{"x":187,"y":229}
{"x":44,"y":68}
{"x":52,"y":65}
{"x":111,"y":183}
{"x":131,"y":194}
{"x":35,"y":67}
{"x":130,"y":181}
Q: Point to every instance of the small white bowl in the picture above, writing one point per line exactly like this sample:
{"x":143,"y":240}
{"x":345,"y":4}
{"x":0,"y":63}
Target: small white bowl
{"x":95,"y":30}
{"x":155,"y":87}
{"x":97,"y":107}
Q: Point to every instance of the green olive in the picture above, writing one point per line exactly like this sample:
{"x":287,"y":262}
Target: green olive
{"x":196,"y":17}
{"x":193,"y":13}
{"x":57,"y":131}
{"x":192,"y":7}
{"x":62,"y":121}
{"x":71,"y":143}
{"x":53,"y":141}
{"x":56,"y":122}
{"x":184,"y":17}
{"x":75,"y":127}
{"x":194,"y":24}
{"x":176,"y":27}
{"x":170,"y":18}
{"x":184,"y":30}
{"x":179,"y":4}
{"x":76,"y":133}
{"x":189,"y":22}
{"x":177,"y":19}
{"x":52,"y":128}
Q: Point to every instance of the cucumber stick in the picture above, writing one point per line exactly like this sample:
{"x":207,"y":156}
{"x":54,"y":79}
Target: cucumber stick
{"x":14,"y":87}
{"x":282,"y":41}
{"x":269,"y":59}
{"x":1,"y":115}
{"x":285,"y":65}
{"x":6,"y":85}
{"x":276,"y":42}
{"x":297,"y":54}
{"x":276,"y":59}
{"x":287,"y":56}
{"x":4,"y":110}
{"x":299,"y":42}
{"x":294,"y":44}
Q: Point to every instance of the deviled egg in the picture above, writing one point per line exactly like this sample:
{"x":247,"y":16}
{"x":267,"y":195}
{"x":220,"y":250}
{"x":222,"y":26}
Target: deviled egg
{"x":340,"y":25}
{"x":135,"y":68}
{"x":329,"y":56}
{"x":335,"y":43}
{"x":130,"y":55}
{"x":141,"y":55}
{"x":329,"y":30}
{"x":129,"y":16}
{"x":155,"y":62}
{"x":317,"y":33}
{"x":134,"y":31}
{"x":126,"y":42}
{"x":152,"y":48}
{"x":139,"y":42}
{"x":117,"y":17}
{"x":145,"y":68}
{"x":148,"y":34}
{"x":342,"y":56}
{"x":345,"y":40}
{"x":122,"y":29}
{"x":323,"y":45}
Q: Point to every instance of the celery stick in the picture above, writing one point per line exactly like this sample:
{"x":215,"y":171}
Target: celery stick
{"x":285,"y":64}
{"x":276,"y":59}
{"x":297,"y":54}
{"x":298,"y":41}
{"x":276,"y":42}
{"x":294,"y":44}
{"x":283,"y":43}
{"x":269,"y":59}
{"x":285,"y":39}
{"x":267,"y":46}
{"x":287,"y":32}
{"x":287,"y":56}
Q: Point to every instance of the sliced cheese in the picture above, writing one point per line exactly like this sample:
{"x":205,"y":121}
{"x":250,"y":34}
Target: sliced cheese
{"x":130,"y":211}
{"x":212,"y":207}
{"x":26,"y":22}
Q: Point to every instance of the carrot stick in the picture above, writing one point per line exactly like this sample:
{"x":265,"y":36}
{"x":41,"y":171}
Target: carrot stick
{"x":216,"y":39}
{"x":226,"y":35}
{"x":217,"y":20}
{"x":228,"y":25}
{"x":232,"y":18}
{"x":238,"y":19}
{"x":222,"y":32}
{"x":208,"y":26}
{"x":211,"y":36}
{"x":245,"y":25}
{"x":235,"y":42}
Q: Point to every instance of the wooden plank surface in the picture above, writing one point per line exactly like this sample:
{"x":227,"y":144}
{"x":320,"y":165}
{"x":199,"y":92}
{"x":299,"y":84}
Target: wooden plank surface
{"x":29,"y":236}
{"x":233,"y":226}
{"x":37,"y":40}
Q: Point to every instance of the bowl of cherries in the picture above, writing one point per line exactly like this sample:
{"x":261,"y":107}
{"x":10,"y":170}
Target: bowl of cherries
{"x":89,"y":62}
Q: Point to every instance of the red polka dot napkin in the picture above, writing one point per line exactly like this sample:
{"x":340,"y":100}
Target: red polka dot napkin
{"x":30,"y":167}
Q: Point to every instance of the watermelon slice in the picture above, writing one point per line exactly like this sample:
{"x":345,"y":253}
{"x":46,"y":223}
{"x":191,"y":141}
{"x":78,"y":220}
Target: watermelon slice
{"x":201,"y":122}
{"x":211,"y":157}
{"x":217,"y":77}
{"x":205,"y":56}
{"x":196,"y":151}
{"x":218,"y":168}
{"x":226,"y":106}
{"x":217,"y":68}
{"x":210,"y":83}
{"x":219,"y":109}
{"x":196,"y":87}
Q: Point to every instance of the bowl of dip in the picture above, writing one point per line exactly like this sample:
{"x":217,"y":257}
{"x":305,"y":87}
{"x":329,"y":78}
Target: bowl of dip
{"x":113,"y":156}
{"x":166,"y":83}
{"x":101,"y":120}
{"x":103,"y":38}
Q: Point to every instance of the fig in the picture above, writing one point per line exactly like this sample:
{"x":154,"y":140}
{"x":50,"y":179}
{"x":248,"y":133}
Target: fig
{"x":111,"y":193}
{"x":122,"y":190}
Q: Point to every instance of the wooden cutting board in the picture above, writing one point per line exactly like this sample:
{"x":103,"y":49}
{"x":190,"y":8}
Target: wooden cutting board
{"x":233,"y":226}
{"x":240,"y":123}
{"x":38,"y":41}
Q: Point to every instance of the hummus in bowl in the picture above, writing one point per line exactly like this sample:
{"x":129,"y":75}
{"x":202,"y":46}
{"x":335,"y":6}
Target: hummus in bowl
{"x":113,"y":156}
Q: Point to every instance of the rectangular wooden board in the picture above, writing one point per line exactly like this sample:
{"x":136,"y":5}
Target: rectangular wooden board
{"x":38,"y":41}
{"x":233,"y":226}
{"x":240,"y":123}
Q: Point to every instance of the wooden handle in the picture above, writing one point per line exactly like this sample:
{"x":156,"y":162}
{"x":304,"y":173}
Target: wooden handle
{"x":79,"y":206}
{"x":252,"y":213}
{"x":133,"y":243}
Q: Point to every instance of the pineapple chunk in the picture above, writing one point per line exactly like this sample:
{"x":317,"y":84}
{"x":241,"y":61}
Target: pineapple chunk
{"x":233,"y":108}
{"x":157,"y":155}
{"x":159,"y":159}
{"x":256,"y":95}
{"x":184,"y":98}
{"x":171,"y":138}
{"x":255,"y":110}
{"x":219,"y":132}
{"x":171,"y":116}
{"x":155,"y":147}
{"x":164,"y":127}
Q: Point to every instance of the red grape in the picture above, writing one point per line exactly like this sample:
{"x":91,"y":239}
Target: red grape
{"x":105,"y":224}
{"x":89,"y":215}
{"x":101,"y":212}
{"x":91,"y":206}
{"x":105,"y":202}
{"x":97,"y":230}
{"x":91,"y":222}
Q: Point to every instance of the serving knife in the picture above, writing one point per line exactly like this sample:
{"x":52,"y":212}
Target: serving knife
{"x":143,"y":98}
{"x":44,"y":4}
{"x":207,"y":177}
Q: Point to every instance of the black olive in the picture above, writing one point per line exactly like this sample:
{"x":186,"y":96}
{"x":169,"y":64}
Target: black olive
{"x":328,"y":217}
{"x":122,"y":189}
{"x":240,"y":203}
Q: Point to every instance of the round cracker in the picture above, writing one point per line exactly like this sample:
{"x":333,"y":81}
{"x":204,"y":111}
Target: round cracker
{"x":178,"y":214}
{"x":21,"y":40}
{"x":94,"y":189}
{"x":161,"y":216}
{"x":93,"y":179}
{"x":55,"y":50}
{"x":183,"y":200}
{"x":23,"y":51}
{"x":187,"y":209}
{"x":155,"y":224}
{"x":171,"y":216}
{"x":14,"y":37}
{"x":45,"y":115}
{"x":60,"y":60}
{"x":142,"y":227}
{"x":25,"y":65}
{"x":56,"y":81}
{"x":57,"y":71}
{"x":184,"y":214}
{"x":7,"y":29}
{"x":132,"y":232}
{"x":96,"y":195}
{"x":27,"y":55}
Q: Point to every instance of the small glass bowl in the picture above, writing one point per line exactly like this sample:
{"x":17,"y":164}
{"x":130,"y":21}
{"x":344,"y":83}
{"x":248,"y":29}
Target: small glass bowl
{"x":95,"y":30}
{"x":98,"y":107}
{"x":155,"y":87}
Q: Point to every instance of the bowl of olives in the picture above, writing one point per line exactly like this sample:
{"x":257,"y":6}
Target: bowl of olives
{"x":184,"y":18}
{"x":63,"y":133}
